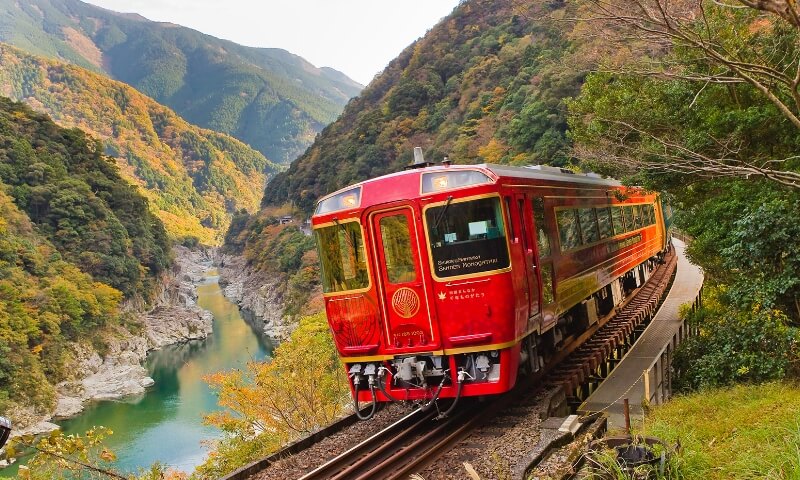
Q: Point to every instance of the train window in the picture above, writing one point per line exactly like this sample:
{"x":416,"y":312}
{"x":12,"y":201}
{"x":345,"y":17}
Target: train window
{"x":342,"y":257}
{"x":637,"y":213}
{"x":521,"y":210}
{"x":604,"y":220}
{"x":541,"y":237}
{"x":589,"y":229}
{"x":512,"y":225}
{"x":629,"y":220}
{"x":547,"y":284}
{"x":651,"y":214}
{"x":397,"y":249}
{"x":618,"y":219}
{"x":467,"y":237}
{"x":568,"y":229}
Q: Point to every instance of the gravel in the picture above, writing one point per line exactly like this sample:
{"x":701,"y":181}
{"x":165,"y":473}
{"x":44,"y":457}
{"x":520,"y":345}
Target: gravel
{"x":494,"y":449}
{"x":303,"y":462}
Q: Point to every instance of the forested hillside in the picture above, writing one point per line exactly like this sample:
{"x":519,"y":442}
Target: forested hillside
{"x":488,"y":83}
{"x":75,"y":240}
{"x":711,"y":124}
{"x":270,"y":99}
{"x":194,"y":178}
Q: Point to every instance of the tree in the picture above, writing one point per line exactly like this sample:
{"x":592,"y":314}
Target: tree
{"x":747,"y":50}
{"x":302,"y":389}
{"x":698,"y":99}
{"x":60,"y":456}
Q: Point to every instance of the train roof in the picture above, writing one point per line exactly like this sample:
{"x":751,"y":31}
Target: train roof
{"x":408,"y":183}
{"x":543,"y":172}
{"x":532,"y":172}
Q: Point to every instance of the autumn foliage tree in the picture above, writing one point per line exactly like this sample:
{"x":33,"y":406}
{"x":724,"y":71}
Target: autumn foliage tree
{"x":301,"y":389}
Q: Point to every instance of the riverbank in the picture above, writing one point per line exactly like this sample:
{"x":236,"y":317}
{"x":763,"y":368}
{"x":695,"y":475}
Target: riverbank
{"x":256,"y":292}
{"x":166,"y":423}
{"x":116,"y":370}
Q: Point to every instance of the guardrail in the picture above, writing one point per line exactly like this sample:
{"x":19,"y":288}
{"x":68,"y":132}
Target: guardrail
{"x":681,"y":236}
{"x":658,"y":376}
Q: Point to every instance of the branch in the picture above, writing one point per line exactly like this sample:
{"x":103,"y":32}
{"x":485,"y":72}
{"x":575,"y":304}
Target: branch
{"x":655,"y":21}
{"x":676,"y":158}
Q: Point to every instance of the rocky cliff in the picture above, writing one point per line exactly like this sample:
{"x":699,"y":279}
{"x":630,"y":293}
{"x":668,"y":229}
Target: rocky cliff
{"x":176,"y":316}
{"x":256,"y":292}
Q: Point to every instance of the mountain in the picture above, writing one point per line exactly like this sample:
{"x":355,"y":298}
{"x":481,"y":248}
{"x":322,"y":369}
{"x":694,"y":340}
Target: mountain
{"x":488,"y":83}
{"x":194,"y":178}
{"x":75,"y":239}
{"x":270,"y":99}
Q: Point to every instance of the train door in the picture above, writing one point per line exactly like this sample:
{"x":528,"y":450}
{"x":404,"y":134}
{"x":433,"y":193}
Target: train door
{"x":526,"y":229}
{"x":408,"y":321}
{"x":546,"y":275}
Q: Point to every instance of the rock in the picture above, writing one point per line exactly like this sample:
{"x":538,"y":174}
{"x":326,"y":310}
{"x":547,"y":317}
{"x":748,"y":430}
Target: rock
{"x":147,"y":382}
{"x":176,"y":316}
{"x":257,"y":292}
{"x":38,"y":428}
{"x":68,"y":407}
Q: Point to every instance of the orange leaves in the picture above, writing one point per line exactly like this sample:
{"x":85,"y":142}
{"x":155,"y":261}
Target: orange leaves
{"x":300,"y":390}
{"x":493,"y":151}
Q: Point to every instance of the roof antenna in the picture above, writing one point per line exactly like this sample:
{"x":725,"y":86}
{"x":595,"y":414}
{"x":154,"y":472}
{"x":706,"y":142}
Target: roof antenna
{"x":419,"y":160}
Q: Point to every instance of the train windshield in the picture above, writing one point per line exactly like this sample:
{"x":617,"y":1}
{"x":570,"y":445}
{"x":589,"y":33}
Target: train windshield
{"x":467,"y":237}
{"x":342,"y":257}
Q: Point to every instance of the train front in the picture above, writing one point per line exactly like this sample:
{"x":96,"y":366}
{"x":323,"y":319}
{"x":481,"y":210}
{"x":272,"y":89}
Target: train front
{"x":416,"y":273}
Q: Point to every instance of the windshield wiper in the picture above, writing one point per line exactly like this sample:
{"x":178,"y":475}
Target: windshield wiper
{"x":444,"y":211}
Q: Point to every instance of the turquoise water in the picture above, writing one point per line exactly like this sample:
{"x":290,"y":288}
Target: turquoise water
{"x":166,"y":423}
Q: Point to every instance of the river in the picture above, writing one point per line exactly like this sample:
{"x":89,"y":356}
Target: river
{"x":166,"y":423}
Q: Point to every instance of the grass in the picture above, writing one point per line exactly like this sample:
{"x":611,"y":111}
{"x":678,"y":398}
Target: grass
{"x":742,"y":432}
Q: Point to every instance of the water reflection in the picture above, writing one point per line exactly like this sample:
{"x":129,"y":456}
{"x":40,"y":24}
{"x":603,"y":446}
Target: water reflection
{"x":165,"y":424}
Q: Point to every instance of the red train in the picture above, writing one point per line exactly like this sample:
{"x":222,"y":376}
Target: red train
{"x":442,"y":281}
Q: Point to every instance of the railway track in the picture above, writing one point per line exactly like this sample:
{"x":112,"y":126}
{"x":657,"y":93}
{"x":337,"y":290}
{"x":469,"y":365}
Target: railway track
{"x":419,"y":439}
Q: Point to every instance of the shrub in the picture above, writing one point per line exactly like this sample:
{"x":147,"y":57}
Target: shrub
{"x":735,"y":346}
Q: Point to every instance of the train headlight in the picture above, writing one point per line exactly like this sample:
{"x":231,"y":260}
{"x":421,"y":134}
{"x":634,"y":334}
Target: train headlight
{"x":340,"y":201}
{"x":349,"y":201}
{"x":440,"y":183}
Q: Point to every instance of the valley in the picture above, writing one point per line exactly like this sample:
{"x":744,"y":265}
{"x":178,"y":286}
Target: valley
{"x":156,"y":266}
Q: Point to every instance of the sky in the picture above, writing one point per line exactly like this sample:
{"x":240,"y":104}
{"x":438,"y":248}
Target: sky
{"x":356,"y":37}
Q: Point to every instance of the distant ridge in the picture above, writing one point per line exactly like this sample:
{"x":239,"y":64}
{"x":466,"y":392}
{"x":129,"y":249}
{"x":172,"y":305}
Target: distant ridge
{"x":194,"y":178}
{"x":269,"y":98}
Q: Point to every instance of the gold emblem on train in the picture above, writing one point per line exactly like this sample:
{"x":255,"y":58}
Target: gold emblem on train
{"x":405,"y":302}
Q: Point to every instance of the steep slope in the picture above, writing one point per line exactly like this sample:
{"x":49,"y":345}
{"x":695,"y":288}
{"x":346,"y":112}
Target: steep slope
{"x":487,"y":83}
{"x":75,"y":239}
{"x":194,"y":178}
{"x":270,"y":99}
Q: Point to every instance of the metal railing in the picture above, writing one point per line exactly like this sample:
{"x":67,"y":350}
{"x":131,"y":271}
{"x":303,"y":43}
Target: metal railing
{"x":681,"y":236}
{"x":658,"y":376}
